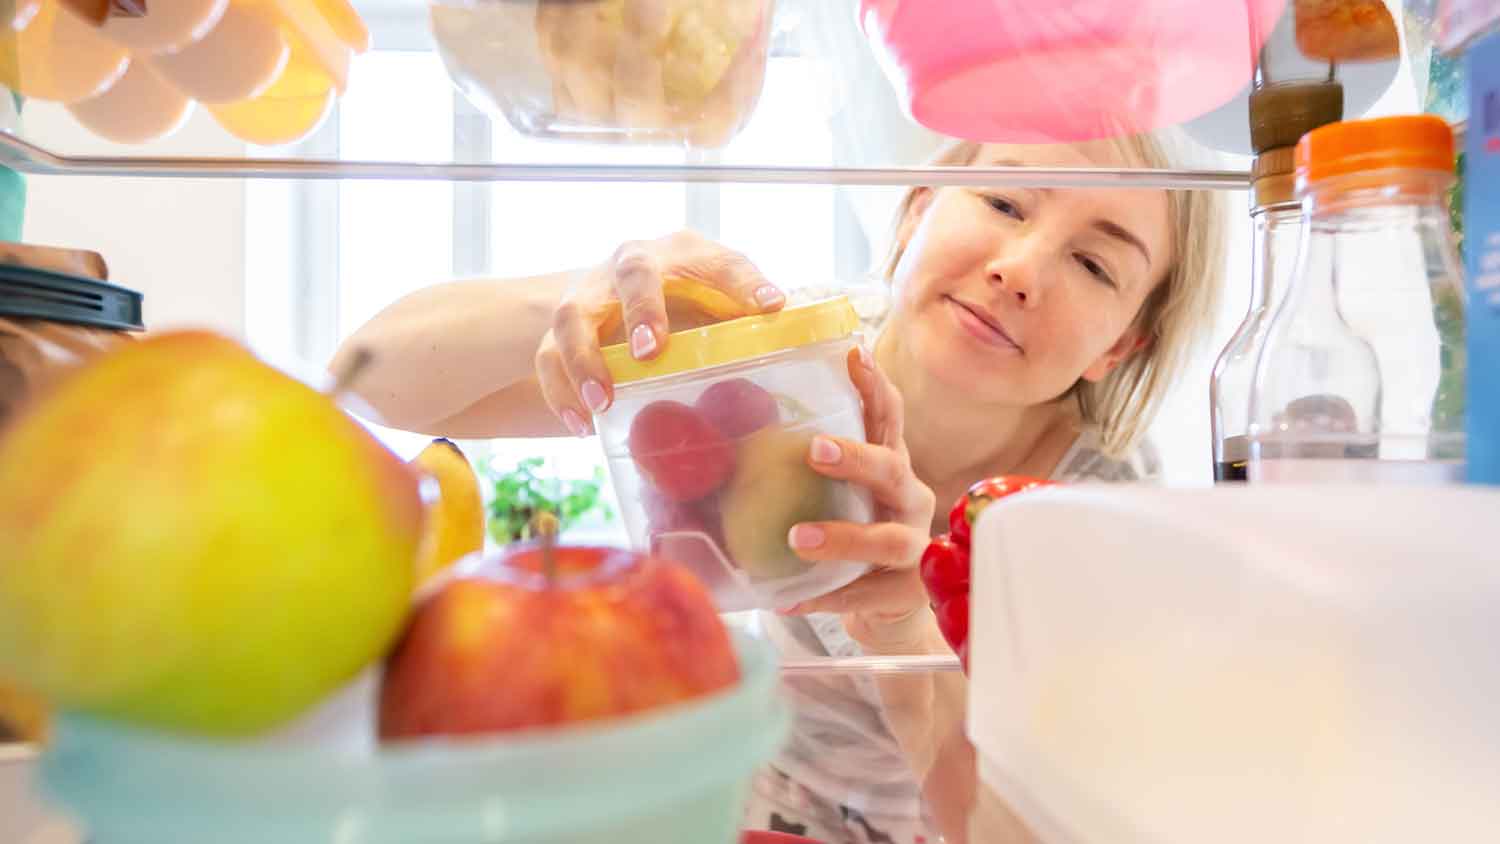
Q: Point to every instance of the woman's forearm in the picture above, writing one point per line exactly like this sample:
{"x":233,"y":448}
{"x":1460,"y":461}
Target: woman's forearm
{"x":456,"y":358}
{"x":926,"y":715}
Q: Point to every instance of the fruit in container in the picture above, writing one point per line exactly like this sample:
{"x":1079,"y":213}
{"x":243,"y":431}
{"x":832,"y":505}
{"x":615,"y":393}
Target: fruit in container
{"x":1346,"y":30}
{"x":628,"y":62}
{"x":688,"y":532}
{"x":773,"y":489}
{"x":454,"y":527}
{"x":738,"y":407}
{"x":195,"y":541}
{"x":679,"y":453}
{"x":539,"y":637}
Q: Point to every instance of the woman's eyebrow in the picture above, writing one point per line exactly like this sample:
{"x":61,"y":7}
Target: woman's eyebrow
{"x":1109,"y":228}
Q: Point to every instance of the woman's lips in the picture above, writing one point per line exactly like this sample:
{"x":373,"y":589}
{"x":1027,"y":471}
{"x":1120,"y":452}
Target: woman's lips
{"x":981,"y":325}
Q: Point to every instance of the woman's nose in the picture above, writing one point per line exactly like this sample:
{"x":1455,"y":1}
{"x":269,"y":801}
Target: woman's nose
{"x":1018,"y":271}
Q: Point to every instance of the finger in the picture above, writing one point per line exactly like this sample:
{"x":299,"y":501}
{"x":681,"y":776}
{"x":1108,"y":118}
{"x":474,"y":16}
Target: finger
{"x":883,"y":470}
{"x":557,"y":390}
{"x":637,"y":282}
{"x":883,"y":406}
{"x":886,"y":592}
{"x":728,"y":272}
{"x":575,"y":334}
{"x":887,"y":544}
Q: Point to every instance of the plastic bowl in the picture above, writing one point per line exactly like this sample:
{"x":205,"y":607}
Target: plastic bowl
{"x":583,"y":71}
{"x":1065,"y":71}
{"x":678,"y":776}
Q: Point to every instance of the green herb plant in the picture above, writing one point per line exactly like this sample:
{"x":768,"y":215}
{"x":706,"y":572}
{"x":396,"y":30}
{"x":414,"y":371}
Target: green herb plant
{"x":526,"y":490}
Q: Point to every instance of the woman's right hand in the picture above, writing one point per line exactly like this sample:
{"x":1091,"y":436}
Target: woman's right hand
{"x":628,"y":292}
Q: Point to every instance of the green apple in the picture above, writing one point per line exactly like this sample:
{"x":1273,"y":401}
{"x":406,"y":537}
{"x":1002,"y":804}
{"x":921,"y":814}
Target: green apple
{"x":773,"y":489}
{"x":196,"y":541}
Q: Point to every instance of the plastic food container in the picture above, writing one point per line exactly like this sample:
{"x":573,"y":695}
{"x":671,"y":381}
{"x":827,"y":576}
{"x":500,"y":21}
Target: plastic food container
{"x":680,"y":72}
{"x":634,"y":779}
{"x":707,"y":447}
{"x":1065,"y":71}
{"x":1251,"y":664}
{"x":51,"y":320}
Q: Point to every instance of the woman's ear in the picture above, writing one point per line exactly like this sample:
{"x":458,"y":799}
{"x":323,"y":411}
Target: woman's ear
{"x":921,"y":199}
{"x":1131,"y":343}
{"x":906,"y":228}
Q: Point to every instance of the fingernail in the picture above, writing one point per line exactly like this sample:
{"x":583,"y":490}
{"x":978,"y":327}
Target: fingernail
{"x":768,"y":295}
{"x":825,"y":450}
{"x":642,"y":341}
{"x":594,"y":396}
{"x":574,"y":422}
{"x":805,"y":536}
{"x":865,"y":359}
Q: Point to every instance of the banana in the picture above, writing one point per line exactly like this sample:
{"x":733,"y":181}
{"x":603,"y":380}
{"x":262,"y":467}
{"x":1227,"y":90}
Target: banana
{"x":455,"y":521}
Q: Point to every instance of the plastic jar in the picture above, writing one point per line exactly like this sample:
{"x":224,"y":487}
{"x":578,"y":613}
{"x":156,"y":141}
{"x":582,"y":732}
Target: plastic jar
{"x":595,"y":72}
{"x":55,"y":313}
{"x":707,"y":446}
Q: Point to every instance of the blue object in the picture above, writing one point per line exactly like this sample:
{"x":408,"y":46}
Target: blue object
{"x":12,"y":203}
{"x":678,"y":775}
{"x":1482,"y":245}
{"x":12,"y":192}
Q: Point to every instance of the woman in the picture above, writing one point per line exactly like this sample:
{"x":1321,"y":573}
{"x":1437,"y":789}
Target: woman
{"x":1038,"y":328}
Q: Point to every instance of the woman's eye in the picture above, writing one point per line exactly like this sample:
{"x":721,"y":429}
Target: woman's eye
{"x":1095,"y":269}
{"x":1004,"y":206}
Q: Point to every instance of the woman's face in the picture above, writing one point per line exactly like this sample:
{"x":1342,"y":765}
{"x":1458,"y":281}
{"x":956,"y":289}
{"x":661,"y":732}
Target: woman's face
{"x":1012,"y":294}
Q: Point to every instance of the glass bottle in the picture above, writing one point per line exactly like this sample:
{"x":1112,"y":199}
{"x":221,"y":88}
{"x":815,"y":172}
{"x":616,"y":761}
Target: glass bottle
{"x":1361,"y":375}
{"x":1280,"y":114}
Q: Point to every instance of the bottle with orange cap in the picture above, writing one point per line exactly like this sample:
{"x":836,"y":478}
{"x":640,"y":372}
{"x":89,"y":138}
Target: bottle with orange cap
{"x":1361,"y":377}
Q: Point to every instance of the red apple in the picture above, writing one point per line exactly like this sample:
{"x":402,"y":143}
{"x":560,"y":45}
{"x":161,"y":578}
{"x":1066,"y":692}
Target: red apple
{"x":506,"y":647}
{"x":737,"y":407}
{"x":679,"y":452}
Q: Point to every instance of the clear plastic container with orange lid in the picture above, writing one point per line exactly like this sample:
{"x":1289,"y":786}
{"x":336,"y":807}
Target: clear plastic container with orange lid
{"x":1361,"y":378}
{"x":707,"y":446}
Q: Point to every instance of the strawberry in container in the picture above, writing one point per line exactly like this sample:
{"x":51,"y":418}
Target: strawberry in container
{"x":945,"y":564}
{"x":707,"y":446}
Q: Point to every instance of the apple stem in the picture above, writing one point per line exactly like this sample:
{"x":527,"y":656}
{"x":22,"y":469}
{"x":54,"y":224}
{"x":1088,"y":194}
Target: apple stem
{"x":545,"y":525}
{"x":359,"y":361}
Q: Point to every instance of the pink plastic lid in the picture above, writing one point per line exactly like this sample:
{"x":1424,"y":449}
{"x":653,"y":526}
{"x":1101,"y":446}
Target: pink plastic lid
{"x":1039,"y":71}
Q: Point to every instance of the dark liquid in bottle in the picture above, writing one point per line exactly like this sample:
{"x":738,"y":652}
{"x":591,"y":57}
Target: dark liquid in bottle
{"x":1232,"y":463}
{"x":1231,"y":471}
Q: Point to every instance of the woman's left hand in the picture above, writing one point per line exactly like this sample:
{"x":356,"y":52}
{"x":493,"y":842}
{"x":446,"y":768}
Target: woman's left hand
{"x":878,"y":607}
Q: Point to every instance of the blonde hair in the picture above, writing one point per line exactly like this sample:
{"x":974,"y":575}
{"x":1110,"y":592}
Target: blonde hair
{"x":1176,"y":316}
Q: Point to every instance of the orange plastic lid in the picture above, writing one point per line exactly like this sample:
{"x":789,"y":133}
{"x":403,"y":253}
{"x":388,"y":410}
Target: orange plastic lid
{"x":1413,"y":142}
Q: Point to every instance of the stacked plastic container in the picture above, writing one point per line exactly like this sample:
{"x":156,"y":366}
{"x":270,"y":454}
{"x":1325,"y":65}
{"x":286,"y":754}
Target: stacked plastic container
{"x":267,"y":70}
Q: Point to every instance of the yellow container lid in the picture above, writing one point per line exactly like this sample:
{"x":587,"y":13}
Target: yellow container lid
{"x":737,"y":340}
